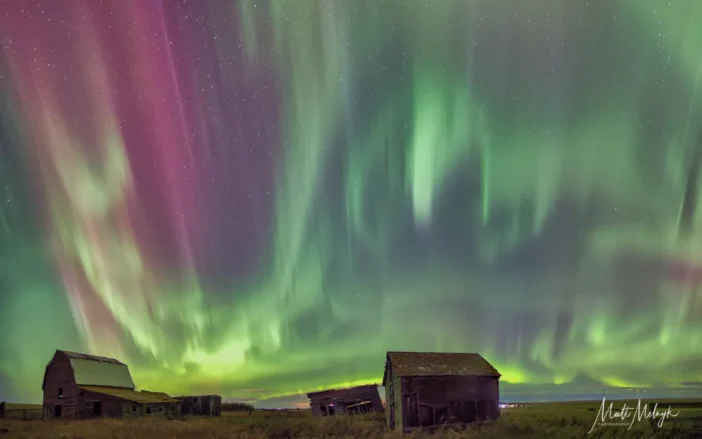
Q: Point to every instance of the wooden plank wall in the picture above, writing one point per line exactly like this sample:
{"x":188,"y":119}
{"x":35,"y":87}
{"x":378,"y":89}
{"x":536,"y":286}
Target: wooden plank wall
{"x":23,"y":414}
{"x":59,"y":375}
{"x":207,"y":405}
{"x":445,"y":400}
{"x":110,"y":406}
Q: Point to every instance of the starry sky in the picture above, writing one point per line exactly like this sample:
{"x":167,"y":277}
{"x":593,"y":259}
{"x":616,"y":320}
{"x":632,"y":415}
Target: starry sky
{"x":259,"y":198}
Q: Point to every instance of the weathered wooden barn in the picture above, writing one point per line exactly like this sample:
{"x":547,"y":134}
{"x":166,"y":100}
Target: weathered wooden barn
{"x":208,"y":405}
{"x":85,"y":386}
{"x":9,"y":410}
{"x":355,"y":400}
{"x":425,"y":389}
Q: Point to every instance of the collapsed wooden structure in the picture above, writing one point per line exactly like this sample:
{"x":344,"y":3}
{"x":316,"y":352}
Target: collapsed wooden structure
{"x":355,"y":400}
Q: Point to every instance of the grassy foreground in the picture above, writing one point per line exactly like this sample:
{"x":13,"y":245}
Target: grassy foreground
{"x":569,"y":420}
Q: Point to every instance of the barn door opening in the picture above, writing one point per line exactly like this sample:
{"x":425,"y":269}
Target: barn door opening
{"x":57,"y":411}
{"x":412,"y":410}
{"x":454,"y":412}
{"x":97,"y":409}
{"x":468,"y":411}
{"x":482,"y":411}
{"x":427,"y":416}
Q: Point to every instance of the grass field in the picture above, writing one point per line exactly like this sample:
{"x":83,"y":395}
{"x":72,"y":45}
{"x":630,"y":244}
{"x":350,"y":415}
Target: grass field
{"x":552,"y":420}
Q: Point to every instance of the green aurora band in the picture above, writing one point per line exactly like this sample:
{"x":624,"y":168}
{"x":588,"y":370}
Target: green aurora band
{"x":505,"y":177}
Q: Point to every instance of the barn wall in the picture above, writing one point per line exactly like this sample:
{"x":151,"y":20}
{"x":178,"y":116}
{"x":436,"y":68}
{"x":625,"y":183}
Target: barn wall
{"x":59,"y":375}
{"x":21,"y":414}
{"x":316,"y":409}
{"x":132,"y":409}
{"x":173,"y":410}
{"x":370,"y":394}
{"x":393,"y":392}
{"x":388,"y":404}
{"x":377,"y":403}
{"x":452,"y":399}
{"x":154,"y":410}
{"x":397,"y":384}
{"x":208,"y":405}
{"x":188,"y":406}
{"x":216,"y":405}
{"x":110,"y":406}
{"x":317,"y":403}
{"x":345,"y":400}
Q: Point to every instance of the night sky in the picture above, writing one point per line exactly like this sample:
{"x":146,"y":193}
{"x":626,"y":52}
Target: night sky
{"x":260,"y":198}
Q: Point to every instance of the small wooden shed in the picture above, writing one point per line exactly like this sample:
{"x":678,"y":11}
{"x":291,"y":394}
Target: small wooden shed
{"x":425,"y":389}
{"x":207,"y":405}
{"x":9,"y":410}
{"x":354,"y":400}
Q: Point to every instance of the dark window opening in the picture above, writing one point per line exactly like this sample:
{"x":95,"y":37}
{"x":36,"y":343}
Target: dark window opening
{"x":468,"y":411}
{"x":57,"y":411}
{"x":82,"y":392}
{"x":60,"y":392}
{"x":148,"y":410}
{"x":195,"y":400}
{"x":360,"y":407}
{"x":134,"y":408}
{"x":328,"y":410}
{"x":160,"y":409}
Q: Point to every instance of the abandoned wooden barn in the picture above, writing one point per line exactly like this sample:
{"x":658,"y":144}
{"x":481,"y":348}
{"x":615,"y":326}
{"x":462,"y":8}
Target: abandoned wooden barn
{"x":85,"y":386}
{"x":208,"y":405}
{"x":355,"y":400}
{"x":424,"y":389}
{"x":9,"y":410}
{"x":130,"y":403}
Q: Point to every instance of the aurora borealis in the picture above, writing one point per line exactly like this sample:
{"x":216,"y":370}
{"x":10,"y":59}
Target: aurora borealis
{"x":260,"y":198}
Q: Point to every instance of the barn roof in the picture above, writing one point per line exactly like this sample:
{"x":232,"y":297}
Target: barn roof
{"x":158,"y":394}
{"x":408,"y":364}
{"x":143,"y":397}
{"x":92,"y":370}
{"x":95,"y":373}
{"x":79,"y":356}
{"x":351,"y":393}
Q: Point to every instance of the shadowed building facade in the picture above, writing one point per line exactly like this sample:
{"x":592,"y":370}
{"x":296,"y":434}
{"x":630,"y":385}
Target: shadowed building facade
{"x":86,"y":386}
{"x":354,"y":400}
{"x":425,"y":389}
{"x":9,"y":410}
{"x":207,"y":405}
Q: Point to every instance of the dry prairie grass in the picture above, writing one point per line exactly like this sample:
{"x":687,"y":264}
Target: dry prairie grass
{"x":515,"y":423}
